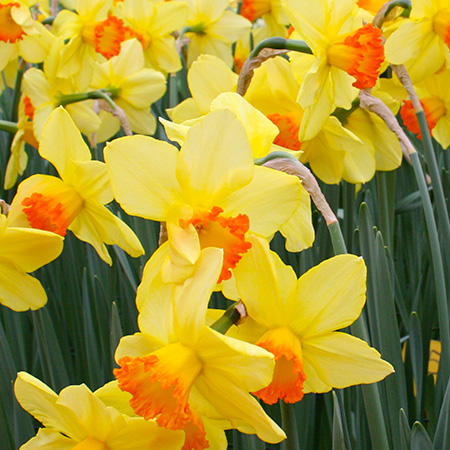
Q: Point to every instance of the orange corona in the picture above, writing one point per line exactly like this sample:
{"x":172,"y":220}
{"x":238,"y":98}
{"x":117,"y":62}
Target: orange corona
{"x":228,"y":233}
{"x":359,"y":53}
{"x":10,"y":31}
{"x":288,"y":125}
{"x":288,"y":376}
{"x":434,"y":109}
{"x":441,"y":25}
{"x":254,"y":9}
{"x":106,"y":36}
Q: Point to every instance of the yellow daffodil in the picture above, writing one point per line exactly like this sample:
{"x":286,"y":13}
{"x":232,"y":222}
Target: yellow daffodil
{"x":93,"y":34}
{"x":153,"y":23}
{"x":21,"y":251}
{"x":435,"y":99}
{"x":343,"y":52}
{"x":422,"y":42}
{"x":178,"y":370}
{"x":209,"y":193}
{"x":76,"y":200}
{"x":20,"y":34}
{"x":133,"y":88}
{"x":333,"y":153}
{"x":212,"y":29}
{"x":45,"y":90}
{"x":77,"y":419}
{"x":18,"y":160}
{"x":297,"y":320}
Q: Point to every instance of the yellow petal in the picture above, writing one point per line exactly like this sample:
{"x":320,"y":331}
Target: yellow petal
{"x":266,"y":285}
{"x":262,"y":196}
{"x":341,"y":360}
{"x":215,"y":160}
{"x":330,"y":296}
{"x":48,"y":439}
{"x":40,"y":401}
{"x":18,"y":290}
{"x":61,"y":142}
{"x":142,"y":174}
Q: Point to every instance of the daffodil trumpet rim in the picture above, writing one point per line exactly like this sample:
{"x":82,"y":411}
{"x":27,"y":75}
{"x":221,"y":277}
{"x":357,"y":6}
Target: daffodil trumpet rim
{"x":9,"y":127}
{"x":104,"y":94}
{"x":280,"y":43}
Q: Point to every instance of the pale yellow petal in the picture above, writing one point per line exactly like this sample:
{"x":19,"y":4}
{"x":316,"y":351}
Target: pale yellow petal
{"x":48,"y":440}
{"x":330,"y":296}
{"x":215,"y":160}
{"x":341,"y":360}
{"x":142,"y":174}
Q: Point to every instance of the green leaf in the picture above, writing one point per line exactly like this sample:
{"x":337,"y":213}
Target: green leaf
{"x":419,"y":438}
{"x":442,"y":433}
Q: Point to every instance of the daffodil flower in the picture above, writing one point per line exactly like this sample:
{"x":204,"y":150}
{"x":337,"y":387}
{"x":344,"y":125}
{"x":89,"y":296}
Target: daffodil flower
{"x":209,"y":193}
{"x":76,"y":200}
{"x":133,"y":88}
{"x":435,"y":99}
{"x":212,"y":28}
{"x":346,"y":58}
{"x":23,"y":250}
{"x":77,"y":419}
{"x":177,"y":369}
{"x":422,"y":42}
{"x":297,"y":320}
{"x":270,"y":11}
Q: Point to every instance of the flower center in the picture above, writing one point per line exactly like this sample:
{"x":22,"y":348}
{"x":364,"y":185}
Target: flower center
{"x":105,"y":36}
{"x":10,"y":31}
{"x":53,"y":209}
{"x":441,"y":25}
{"x":434,"y":109}
{"x":253,"y":9}
{"x":90,"y":444}
{"x":289,"y":125}
{"x":228,"y":233}
{"x":160,"y":384}
{"x":360,"y":53}
{"x":288,"y":376}
{"x":28,"y":134}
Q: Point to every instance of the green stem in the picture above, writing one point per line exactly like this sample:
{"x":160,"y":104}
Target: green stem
{"x":173,"y":90}
{"x":48,"y":21}
{"x":281,"y":44}
{"x":349,"y":215}
{"x":10,"y":127}
{"x":274,"y":155}
{"x":289,"y":425}
{"x":17,"y":91}
{"x":229,"y":318}
{"x":405,"y":4}
{"x":92,"y":95}
{"x":386,"y":202}
{"x":438,"y":269}
{"x":371,"y":395}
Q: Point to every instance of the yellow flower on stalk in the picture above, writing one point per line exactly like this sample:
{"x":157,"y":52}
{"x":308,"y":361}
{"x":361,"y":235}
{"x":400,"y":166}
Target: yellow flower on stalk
{"x":76,"y":200}
{"x":45,"y":91}
{"x":153,"y":23}
{"x":212,"y":28}
{"x":178,"y":370}
{"x":22,"y":251}
{"x":133,"y":88}
{"x":77,"y":419}
{"x":334,"y":153}
{"x":297,"y":320}
{"x":343,"y":52}
{"x":209,"y":193}
{"x":435,"y":99}
{"x":20,"y":35}
{"x":422,"y":42}
{"x":18,"y":160}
